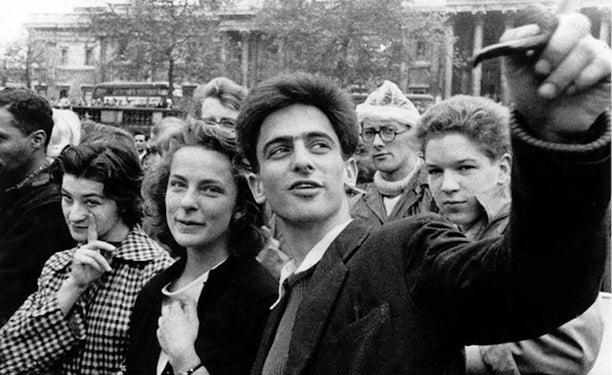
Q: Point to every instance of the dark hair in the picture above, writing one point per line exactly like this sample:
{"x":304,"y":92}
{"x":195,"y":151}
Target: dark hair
{"x":31,"y":111}
{"x":246,"y":236}
{"x":114,"y":166}
{"x":93,"y":132}
{"x":482,"y":120}
{"x":229,"y":93}
{"x":297,"y":88}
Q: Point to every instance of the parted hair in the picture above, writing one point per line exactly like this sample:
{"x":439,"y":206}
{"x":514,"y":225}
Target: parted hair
{"x":246,"y":237}
{"x":296,"y":88}
{"x":116,"y":167}
{"x":32,"y":112}
{"x":483,"y":121}
{"x":229,"y":93}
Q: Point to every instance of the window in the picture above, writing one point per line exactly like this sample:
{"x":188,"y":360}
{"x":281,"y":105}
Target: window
{"x":89,"y":56}
{"x":64,"y":56}
{"x":421,"y":49}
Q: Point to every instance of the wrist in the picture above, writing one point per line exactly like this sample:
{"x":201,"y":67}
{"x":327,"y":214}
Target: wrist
{"x":186,"y":361}
{"x":72,"y":284}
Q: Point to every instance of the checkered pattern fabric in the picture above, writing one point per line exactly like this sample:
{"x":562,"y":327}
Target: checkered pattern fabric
{"x":92,"y":339}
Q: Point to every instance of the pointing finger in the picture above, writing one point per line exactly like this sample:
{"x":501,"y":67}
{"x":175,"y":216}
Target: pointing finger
{"x":92,"y":229}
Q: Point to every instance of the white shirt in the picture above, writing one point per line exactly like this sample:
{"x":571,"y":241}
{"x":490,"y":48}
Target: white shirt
{"x":190,"y":291}
{"x":312,"y":258}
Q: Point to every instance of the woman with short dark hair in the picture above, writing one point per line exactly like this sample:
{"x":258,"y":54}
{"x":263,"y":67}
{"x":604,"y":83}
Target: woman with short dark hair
{"x":77,"y":320}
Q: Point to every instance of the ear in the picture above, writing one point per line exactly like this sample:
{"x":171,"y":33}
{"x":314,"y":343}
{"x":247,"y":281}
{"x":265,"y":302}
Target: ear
{"x":37,"y":139}
{"x":256,"y":187}
{"x":504,"y":165}
{"x":350,"y":172}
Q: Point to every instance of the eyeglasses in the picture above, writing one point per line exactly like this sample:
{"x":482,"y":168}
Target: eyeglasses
{"x":223,"y":122}
{"x":385,"y":133}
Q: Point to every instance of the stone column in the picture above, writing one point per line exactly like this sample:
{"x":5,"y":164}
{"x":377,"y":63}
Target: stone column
{"x":245,"y":36}
{"x":477,"y":71}
{"x":505,"y":95}
{"x":449,"y":52}
{"x":604,"y":27}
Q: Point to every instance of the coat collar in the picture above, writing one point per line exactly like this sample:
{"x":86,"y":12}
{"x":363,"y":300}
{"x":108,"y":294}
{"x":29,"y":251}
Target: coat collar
{"x":315,"y":308}
{"x":374,"y":200}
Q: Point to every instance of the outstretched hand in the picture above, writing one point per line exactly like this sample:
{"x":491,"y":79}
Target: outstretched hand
{"x":568,"y":87}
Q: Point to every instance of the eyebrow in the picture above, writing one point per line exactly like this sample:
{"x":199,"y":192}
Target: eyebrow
{"x":92,"y":195}
{"x":288,"y":139}
{"x":206,"y":180}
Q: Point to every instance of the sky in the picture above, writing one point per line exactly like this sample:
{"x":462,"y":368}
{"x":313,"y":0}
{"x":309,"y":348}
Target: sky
{"x":14,"y":13}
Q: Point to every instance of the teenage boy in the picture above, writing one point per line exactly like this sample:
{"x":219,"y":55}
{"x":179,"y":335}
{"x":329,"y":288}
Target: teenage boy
{"x":466,"y":145}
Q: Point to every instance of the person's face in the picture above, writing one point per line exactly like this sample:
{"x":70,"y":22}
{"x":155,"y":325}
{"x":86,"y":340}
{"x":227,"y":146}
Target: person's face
{"x":81,"y":197}
{"x":141,"y":142}
{"x":301,"y":169}
{"x":458,"y":173}
{"x":15,"y":150}
{"x":200,"y":198}
{"x":394,"y":159}
{"x":215,"y":113}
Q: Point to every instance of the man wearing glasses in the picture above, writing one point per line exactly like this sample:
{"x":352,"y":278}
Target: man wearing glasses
{"x":388,"y":125}
{"x":217,"y":103}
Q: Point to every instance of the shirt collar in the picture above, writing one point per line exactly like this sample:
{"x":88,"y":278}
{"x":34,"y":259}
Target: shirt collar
{"x":312,"y":258}
{"x":138,"y":247}
{"x":494,"y":200}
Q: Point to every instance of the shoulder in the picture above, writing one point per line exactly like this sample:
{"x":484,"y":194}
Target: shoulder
{"x":255,"y":273}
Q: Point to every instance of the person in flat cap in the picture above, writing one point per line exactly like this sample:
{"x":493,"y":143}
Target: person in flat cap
{"x":387,"y":121}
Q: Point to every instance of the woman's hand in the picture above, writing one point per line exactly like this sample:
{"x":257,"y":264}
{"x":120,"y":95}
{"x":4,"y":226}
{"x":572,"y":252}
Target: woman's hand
{"x":88,"y":265}
{"x":177,"y":333}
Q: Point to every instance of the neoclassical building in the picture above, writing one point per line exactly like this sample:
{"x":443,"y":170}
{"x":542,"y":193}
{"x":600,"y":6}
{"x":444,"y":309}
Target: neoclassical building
{"x":67,"y":61}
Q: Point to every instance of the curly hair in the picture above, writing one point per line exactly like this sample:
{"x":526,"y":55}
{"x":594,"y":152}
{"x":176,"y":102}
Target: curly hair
{"x":481,"y":120}
{"x":246,"y":237}
{"x":296,"y":88}
{"x":113,"y":165}
{"x":31,"y":111}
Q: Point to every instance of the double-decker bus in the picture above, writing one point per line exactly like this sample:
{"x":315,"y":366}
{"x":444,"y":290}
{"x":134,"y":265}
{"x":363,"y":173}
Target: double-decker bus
{"x":137,"y":94}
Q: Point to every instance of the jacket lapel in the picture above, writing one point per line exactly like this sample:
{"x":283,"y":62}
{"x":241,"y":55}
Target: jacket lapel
{"x":324,"y":287}
{"x":373,"y":199}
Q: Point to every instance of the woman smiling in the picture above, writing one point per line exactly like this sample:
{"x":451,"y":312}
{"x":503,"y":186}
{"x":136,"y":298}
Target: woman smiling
{"x":206,"y":313}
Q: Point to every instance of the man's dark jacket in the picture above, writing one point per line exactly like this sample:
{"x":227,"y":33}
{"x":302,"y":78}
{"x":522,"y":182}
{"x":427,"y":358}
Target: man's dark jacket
{"x":32,"y":228}
{"x":406,"y":297}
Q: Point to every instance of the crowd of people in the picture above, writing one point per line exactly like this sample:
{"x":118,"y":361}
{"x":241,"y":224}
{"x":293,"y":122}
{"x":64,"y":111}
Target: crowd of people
{"x":281,"y":230}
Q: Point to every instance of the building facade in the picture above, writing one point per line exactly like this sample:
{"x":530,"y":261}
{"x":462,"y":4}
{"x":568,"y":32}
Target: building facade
{"x":66,"y":60}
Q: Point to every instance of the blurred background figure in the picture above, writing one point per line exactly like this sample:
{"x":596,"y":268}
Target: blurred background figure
{"x":66,"y":131}
{"x":467,"y":156}
{"x":388,"y":123}
{"x":217,"y":103}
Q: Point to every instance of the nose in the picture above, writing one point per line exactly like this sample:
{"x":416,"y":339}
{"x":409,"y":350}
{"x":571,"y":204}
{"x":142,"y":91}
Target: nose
{"x":377,"y":141}
{"x":302,"y":160}
{"x":188,"y":200}
{"x":77,"y":213}
{"x":449,"y":182}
